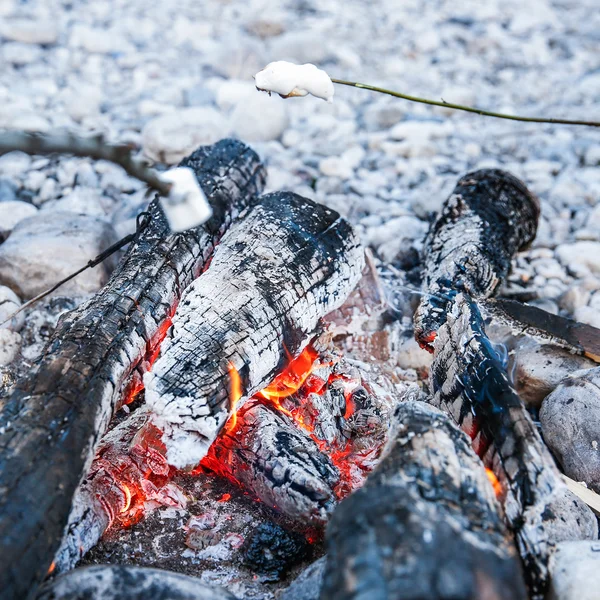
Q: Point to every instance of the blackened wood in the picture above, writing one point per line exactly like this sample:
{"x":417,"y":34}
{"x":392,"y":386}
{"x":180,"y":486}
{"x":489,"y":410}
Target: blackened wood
{"x":468,"y":380}
{"x":489,"y":216}
{"x":55,"y":415}
{"x":119,"y":582}
{"x":282,"y":267}
{"x":425,"y":524}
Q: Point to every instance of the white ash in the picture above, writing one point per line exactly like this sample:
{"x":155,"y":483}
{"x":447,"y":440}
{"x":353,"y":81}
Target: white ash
{"x":288,"y":80}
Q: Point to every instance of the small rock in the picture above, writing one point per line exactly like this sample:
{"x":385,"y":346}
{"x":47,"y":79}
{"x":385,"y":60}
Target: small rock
{"x":170,"y":137}
{"x":575,"y":571}
{"x":583,"y":253}
{"x":30,"y":31}
{"x":411,"y":356}
{"x":13,"y":212}
{"x":8,"y":190}
{"x":81,"y":201}
{"x":592,"y":156}
{"x":258,"y":118}
{"x":539,"y":369}
{"x":301,"y":46}
{"x":10,"y":344}
{"x":9,"y":303}
{"x":45,"y":248}
{"x":82,"y":102}
{"x":588,"y":315}
{"x":570,"y":419}
{"x":18,"y":54}
{"x":575,"y":297}
{"x":14,"y":163}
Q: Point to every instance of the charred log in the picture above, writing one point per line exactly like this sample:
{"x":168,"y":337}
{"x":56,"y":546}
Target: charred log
{"x":425,"y":524}
{"x":285,"y":265}
{"x":128,"y":583}
{"x":468,"y":380}
{"x":55,"y":416}
{"x":487,"y":219}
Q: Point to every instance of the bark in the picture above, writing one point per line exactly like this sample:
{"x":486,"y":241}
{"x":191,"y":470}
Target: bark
{"x":487,"y":219}
{"x":425,"y":524}
{"x":283,"y":266}
{"x":468,"y":381}
{"x":111,"y":582}
{"x":55,"y":416}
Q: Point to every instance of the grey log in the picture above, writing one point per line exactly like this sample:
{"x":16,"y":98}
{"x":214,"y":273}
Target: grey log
{"x":55,"y":416}
{"x":489,"y":216}
{"x":425,"y":524}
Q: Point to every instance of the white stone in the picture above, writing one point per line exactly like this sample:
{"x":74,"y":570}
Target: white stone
{"x":10,"y":344}
{"x":257,"y":118}
{"x":172,"y":136}
{"x":83,"y":101}
{"x":47,"y":247}
{"x":30,"y":31}
{"x":17,"y":53}
{"x":301,"y":46}
{"x":580,"y":253}
{"x":13,"y":212}
{"x":589,"y":315}
{"x":9,"y":304}
{"x":575,"y":571}
{"x":14,"y":163}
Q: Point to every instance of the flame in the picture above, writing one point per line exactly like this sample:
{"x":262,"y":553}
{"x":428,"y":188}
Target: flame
{"x":51,"y":568}
{"x":292,"y":378}
{"x":127,"y":493}
{"x":235,"y":393}
{"x":494,"y":481}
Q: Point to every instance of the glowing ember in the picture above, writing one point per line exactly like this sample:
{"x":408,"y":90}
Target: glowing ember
{"x":292,"y":378}
{"x":235,"y":393}
{"x":494,"y":481}
{"x":224,"y":498}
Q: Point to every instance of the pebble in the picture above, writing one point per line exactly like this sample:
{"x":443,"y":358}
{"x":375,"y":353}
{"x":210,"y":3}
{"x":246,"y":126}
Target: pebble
{"x":47,"y":247}
{"x":170,"y":137}
{"x":575,"y":571}
{"x":9,"y":303}
{"x":584,"y":253}
{"x":248,"y":120}
{"x":10,"y":345}
{"x":30,"y":31}
{"x":13,"y":212}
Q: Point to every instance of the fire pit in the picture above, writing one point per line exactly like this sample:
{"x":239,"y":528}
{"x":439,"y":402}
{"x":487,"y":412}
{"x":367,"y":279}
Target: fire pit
{"x":231,"y":407}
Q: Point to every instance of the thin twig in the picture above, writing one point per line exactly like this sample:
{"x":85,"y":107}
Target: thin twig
{"x":63,"y":142}
{"x":478,"y":111}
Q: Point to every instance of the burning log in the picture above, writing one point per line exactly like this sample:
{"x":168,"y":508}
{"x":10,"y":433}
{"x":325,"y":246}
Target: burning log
{"x":285,"y":265}
{"x":55,"y":416}
{"x":425,"y":524}
{"x":487,"y":219}
{"x":468,"y":380}
{"x":111,"y":582}
{"x":571,"y":426}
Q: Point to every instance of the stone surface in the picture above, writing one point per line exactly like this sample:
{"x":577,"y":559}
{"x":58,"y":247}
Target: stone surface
{"x":539,"y":369}
{"x":9,"y":303}
{"x":11,"y":213}
{"x":570,"y":418}
{"x":47,"y":247}
{"x":10,"y":344}
{"x":575,"y":571}
{"x":172,"y":136}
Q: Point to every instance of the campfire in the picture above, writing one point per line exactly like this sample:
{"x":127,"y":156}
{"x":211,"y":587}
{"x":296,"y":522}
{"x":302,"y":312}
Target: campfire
{"x":231,"y":407}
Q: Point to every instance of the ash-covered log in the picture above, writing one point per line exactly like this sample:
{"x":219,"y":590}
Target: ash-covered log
{"x":120,"y":582}
{"x":489,"y":216}
{"x":55,"y":416}
{"x":425,"y":524}
{"x":468,"y":380}
{"x":282,"y":267}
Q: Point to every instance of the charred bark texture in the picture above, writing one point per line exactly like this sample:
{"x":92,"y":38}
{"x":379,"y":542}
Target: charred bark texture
{"x":55,"y":416}
{"x":283,"y":266}
{"x":425,"y":524}
{"x":468,"y":380}
{"x":110,"y":582}
{"x":489,"y":216}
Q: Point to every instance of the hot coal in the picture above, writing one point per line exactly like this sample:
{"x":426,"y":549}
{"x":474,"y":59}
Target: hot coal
{"x":468,"y":380}
{"x":271,"y":551}
{"x":283,"y":266}
{"x":55,"y":415}
{"x":425,"y":524}
{"x":489,"y":216}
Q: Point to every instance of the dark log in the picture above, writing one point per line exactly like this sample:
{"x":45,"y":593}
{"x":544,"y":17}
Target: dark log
{"x":489,"y":216}
{"x":425,"y":524}
{"x":282,"y":267}
{"x":469,"y":381}
{"x":112,"y":582}
{"x":55,"y":416}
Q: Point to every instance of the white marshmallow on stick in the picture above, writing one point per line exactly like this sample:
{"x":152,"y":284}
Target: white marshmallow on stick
{"x":287,"y":80}
{"x":186,"y":205}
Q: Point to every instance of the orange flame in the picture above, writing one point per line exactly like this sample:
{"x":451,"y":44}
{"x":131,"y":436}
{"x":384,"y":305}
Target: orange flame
{"x":494,"y":481}
{"x":235,"y":393}
{"x":292,"y":378}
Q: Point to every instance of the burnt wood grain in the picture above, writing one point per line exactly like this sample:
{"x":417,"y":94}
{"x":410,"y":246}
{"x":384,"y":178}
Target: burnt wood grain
{"x":57,"y":413}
